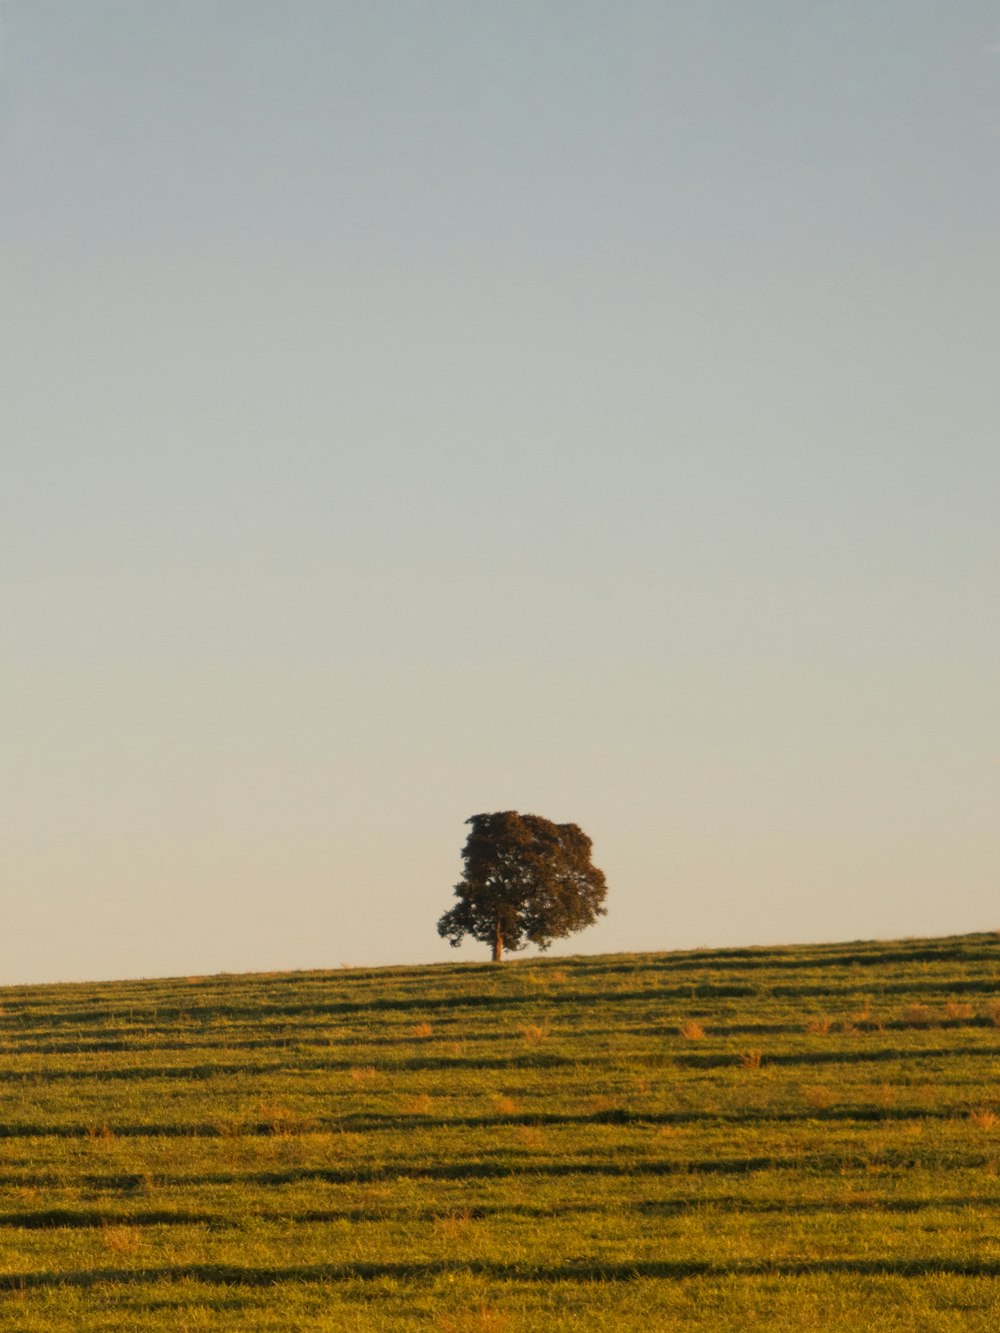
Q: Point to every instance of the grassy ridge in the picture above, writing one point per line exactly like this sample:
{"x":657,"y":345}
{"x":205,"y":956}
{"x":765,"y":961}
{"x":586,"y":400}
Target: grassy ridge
{"x":776,"y":1138}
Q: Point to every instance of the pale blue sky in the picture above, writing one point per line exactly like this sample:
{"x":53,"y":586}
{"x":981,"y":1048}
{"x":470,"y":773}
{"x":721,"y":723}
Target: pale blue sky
{"x":416,"y":409}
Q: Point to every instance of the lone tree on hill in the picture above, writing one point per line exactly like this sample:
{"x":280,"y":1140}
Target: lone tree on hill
{"x":526,"y":880}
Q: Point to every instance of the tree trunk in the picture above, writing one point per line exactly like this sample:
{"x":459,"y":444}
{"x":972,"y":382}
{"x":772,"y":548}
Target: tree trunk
{"x":498,"y":943}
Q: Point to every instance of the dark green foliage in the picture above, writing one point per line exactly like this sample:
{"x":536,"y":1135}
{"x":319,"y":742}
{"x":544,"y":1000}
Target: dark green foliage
{"x":526,"y":881}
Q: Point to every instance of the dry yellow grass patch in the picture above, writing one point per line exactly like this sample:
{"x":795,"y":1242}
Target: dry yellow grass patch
{"x":454,"y":1223}
{"x":916,"y":1016}
{"x":820,"y":1027}
{"x":817,"y":1097}
{"x":121,"y":1240}
{"x":229,"y":1126}
{"x":283,"y":1121}
{"x":602,"y":1105}
{"x":925,"y":1095}
{"x":484,"y":1319}
{"x":885,"y":1095}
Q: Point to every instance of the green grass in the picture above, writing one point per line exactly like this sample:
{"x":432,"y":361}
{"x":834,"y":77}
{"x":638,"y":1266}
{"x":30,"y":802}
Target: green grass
{"x":524,"y":1147}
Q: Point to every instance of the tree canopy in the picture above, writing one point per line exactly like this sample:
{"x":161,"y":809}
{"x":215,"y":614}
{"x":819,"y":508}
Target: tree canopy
{"x":526,"y":881}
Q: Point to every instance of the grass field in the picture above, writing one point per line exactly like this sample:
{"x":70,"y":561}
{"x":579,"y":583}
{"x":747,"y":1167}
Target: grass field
{"x":759,"y":1138}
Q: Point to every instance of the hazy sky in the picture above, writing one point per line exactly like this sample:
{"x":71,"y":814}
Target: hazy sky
{"x":414,"y":409}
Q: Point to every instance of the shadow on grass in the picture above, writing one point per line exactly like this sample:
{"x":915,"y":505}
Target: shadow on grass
{"x":82,"y":1219}
{"x":778,"y":960}
{"x":387,"y":1004}
{"x":362,"y":1124}
{"x":95,"y":1219}
{"x":203,"y":1073}
{"x":530,"y":1168}
{"x":236,"y":1275}
{"x":865,"y":1055}
{"x":194,"y":1016}
{"x":371,"y":1124}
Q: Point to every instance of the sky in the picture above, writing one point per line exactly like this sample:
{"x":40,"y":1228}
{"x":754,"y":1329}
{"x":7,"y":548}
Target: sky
{"x":416,"y":409}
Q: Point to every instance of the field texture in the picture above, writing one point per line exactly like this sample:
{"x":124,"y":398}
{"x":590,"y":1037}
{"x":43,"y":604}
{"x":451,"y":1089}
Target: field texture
{"x":782,"y":1139}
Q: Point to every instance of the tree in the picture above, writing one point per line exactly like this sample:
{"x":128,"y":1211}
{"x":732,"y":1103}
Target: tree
{"x":526,"y":880}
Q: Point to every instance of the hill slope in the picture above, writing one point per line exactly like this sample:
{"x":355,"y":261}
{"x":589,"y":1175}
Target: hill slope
{"x":776,"y":1138}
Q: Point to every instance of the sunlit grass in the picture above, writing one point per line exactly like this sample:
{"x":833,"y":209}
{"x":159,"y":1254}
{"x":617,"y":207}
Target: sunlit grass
{"x":753,"y":1138}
